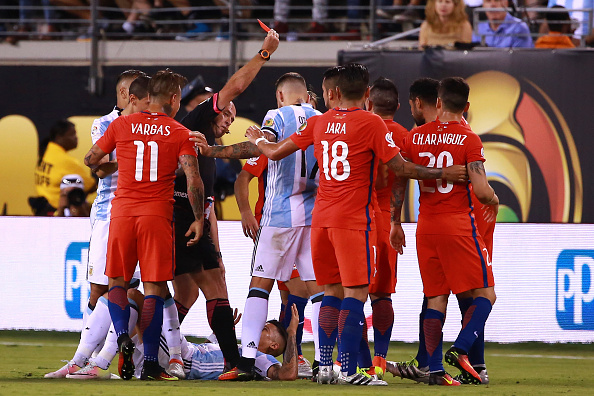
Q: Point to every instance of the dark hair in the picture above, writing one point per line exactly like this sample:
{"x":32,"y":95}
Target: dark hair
{"x":139,"y":87}
{"x":330,"y":76}
{"x":165,"y":82}
{"x":314,"y":98}
{"x":424,"y":89}
{"x":129,"y":74}
{"x":384,"y":95}
{"x":291,"y":76}
{"x":58,"y":129}
{"x":282,"y":331}
{"x":353,"y":80}
{"x":453,"y":92}
{"x":555,"y":19}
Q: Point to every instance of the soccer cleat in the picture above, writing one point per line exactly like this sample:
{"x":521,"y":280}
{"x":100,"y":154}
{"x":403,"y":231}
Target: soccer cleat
{"x":360,"y":378}
{"x":315,"y":368}
{"x":90,"y":371}
{"x":380,"y":366}
{"x":409,"y":370}
{"x":467,"y":379}
{"x":236,"y":374}
{"x":176,"y":368}
{"x":156,"y":375}
{"x":326,"y":375}
{"x":304,"y":369}
{"x":68,"y":368}
{"x":442,"y":378}
{"x":453,"y":357}
{"x":125,"y":363}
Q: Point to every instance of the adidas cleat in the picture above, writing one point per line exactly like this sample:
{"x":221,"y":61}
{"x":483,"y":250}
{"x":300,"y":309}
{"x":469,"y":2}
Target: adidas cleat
{"x":90,"y":371}
{"x":409,"y":370}
{"x":304,"y":369}
{"x":442,"y":378}
{"x":68,"y":368}
{"x":326,"y":375}
{"x":236,"y":374}
{"x":176,"y":368}
{"x":360,"y":378}
{"x":125,"y":363}
{"x":455,"y":358}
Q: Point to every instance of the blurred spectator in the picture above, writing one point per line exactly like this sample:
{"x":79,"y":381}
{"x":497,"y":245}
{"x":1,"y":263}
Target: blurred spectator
{"x":503,"y":30}
{"x":446,"y":23}
{"x":54,"y":162}
{"x":73,"y":198}
{"x":581,"y":17}
{"x":26,"y":23}
{"x":559,"y":24}
{"x":319,"y":13}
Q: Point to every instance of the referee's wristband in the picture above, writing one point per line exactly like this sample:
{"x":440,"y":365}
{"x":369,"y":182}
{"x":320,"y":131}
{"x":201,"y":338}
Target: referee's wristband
{"x":260,"y":139}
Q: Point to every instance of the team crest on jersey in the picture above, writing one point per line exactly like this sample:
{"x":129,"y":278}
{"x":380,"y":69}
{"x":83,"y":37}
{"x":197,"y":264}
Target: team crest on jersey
{"x":269,"y":122}
{"x":302,"y":128}
{"x":390,"y":140}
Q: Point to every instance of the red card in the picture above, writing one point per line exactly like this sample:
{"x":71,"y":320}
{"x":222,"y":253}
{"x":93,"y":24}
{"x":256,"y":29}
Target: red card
{"x":263,"y":25}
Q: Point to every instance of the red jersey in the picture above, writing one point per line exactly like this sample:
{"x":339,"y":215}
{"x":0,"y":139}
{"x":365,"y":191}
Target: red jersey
{"x":445,"y":207}
{"x":347,"y":145}
{"x":148,"y":147}
{"x":257,"y":166}
{"x":384,"y":194}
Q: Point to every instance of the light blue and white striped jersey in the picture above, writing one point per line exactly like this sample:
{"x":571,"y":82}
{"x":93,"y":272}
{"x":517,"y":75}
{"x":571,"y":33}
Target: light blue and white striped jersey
{"x":107,"y":185}
{"x":581,"y":17}
{"x":292,"y":181}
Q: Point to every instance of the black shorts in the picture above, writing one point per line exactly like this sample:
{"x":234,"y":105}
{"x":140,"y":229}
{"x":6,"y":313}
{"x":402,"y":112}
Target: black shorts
{"x":201,"y":256}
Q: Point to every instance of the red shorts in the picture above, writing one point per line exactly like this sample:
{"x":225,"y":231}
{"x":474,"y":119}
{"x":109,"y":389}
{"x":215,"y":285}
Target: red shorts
{"x":453,"y":263}
{"x":343,"y":256}
{"x":485,"y":229}
{"x":384,"y":280}
{"x":281,"y":285}
{"x":147,"y":240}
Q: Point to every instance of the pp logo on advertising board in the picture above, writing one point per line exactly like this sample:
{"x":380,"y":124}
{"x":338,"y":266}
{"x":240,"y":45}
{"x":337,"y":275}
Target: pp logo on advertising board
{"x":76,"y":287}
{"x":575,"y":289}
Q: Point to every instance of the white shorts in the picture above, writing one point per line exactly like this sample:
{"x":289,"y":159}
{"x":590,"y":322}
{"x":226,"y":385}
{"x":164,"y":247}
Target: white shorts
{"x":277,"y":250}
{"x":98,"y":252}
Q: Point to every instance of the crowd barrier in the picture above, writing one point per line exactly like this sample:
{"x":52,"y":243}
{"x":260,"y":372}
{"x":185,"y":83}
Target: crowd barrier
{"x":544,"y":276}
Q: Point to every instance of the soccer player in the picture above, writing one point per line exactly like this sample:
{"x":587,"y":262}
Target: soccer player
{"x":423,"y":101}
{"x":452,"y":255}
{"x":149,"y":145}
{"x":96,"y":319}
{"x":383,"y":101}
{"x":346,"y":142}
{"x":202,"y":266}
{"x":283,"y":240}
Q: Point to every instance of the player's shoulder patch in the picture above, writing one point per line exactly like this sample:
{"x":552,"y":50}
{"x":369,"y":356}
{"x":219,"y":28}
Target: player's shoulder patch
{"x":302,"y":128}
{"x":269,"y":122}
{"x":253,"y":161}
{"x":390,"y":140}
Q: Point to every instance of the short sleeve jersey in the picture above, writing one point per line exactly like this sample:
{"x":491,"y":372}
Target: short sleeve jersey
{"x":148,"y":145}
{"x":347,"y":145}
{"x":445,"y":207}
{"x":383,"y":194}
{"x":200,"y":119}
{"x":258,"y":166}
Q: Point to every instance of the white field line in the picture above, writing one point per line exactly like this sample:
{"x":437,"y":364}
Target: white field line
{"x":37,"y":344}
{"x":543,"y":356}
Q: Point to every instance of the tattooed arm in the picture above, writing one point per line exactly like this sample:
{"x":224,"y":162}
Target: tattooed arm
{"x":288,"y":371}
{"x":403,"y":168}
{"x":397,"y":239}
{"x":94,"y":157}
{"x":189,"y":164}
{"x":238,"y":150}
{"x":478,"y":177}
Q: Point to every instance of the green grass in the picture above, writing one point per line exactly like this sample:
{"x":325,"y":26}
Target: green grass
{"x":514,"y":369}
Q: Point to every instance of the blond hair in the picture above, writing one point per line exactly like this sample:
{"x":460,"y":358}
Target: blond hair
{"x":455,"y":21}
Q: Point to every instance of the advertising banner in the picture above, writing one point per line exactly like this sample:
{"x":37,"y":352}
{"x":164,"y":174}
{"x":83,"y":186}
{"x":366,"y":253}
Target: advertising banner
{"x":544,"y":280}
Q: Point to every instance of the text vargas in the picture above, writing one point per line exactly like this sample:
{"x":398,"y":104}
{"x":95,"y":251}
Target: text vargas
{"x":151,"y":129}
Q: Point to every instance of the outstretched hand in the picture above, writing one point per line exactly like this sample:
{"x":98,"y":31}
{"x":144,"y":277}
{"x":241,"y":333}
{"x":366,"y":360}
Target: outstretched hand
{"x":292,"y":328}
{"x":253,"y":133}
{"x":200,"y":141}
{"x":271,"y":41}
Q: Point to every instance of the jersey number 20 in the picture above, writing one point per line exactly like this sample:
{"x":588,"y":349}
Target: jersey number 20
{"x":444,"y":159}
{"x":154,"y":157}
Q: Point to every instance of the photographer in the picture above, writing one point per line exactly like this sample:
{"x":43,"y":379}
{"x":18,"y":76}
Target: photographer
{"x":72,"y":198}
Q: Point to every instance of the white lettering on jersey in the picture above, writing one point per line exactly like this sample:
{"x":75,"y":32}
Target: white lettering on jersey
{"x":435,"y":139}
{"x":390,"y":140}
{"x":150,"y":129}
{"x":336,"y":128}
{"x":253,"y":161}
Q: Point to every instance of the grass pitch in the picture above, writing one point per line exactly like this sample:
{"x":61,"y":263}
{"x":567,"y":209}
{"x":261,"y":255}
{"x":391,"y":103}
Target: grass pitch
{"x":514,"y":369}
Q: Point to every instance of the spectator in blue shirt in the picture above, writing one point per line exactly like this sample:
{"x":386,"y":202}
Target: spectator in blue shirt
{"x":503,"y":30}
